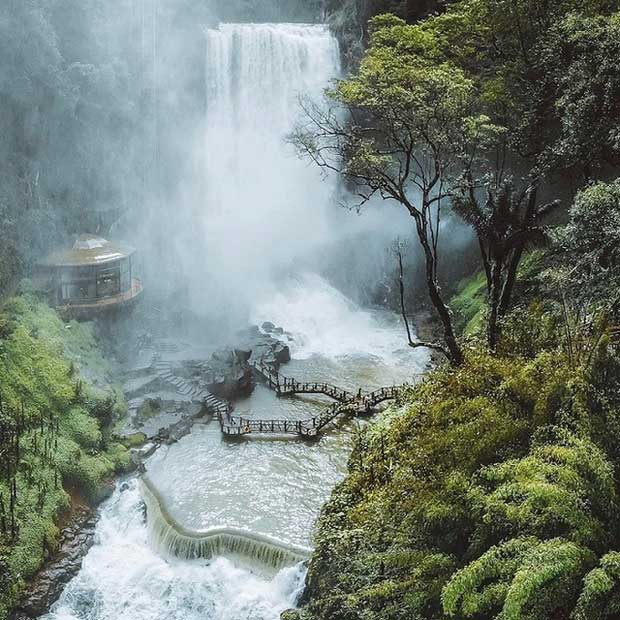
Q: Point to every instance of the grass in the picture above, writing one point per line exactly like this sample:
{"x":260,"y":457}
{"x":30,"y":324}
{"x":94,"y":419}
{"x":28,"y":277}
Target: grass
{"x":469,"y":304}
{"x":52,"y":370}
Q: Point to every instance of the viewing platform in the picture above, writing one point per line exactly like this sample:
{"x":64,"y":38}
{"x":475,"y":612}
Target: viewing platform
{"x":346,"y":404}
{"x":93,"y":276}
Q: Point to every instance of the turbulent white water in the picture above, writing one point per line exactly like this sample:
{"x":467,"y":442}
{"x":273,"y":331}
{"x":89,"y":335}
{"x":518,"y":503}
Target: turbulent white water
{"x":123,"y":578}
{"x":261,"y":209}
{"x":326,"y":323}
{"x":263,"y":215}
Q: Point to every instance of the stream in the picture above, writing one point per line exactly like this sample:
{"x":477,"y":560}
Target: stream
{"x":264,"y":486}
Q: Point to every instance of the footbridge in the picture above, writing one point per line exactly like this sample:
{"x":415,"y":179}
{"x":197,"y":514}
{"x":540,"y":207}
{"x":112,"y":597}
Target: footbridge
{"x":287,"y":386}
{"x":346,"y":403}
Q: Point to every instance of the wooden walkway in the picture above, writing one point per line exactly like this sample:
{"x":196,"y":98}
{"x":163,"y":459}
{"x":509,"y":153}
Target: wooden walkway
{"x":287,"y":386}
{"x":346,"y":404}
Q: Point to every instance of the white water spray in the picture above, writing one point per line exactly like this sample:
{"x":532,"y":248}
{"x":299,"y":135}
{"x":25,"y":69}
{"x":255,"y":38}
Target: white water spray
{"x":123,"y":577}
{"x":170,"y":537}
{"x":262,"y":210}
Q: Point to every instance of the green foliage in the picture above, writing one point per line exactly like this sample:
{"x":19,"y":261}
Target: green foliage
{"x":600,"y":597}
{"x":490,"y":495}
{"x":41,"y":362}
{"x":589,"y":245}
{"x":563,"y":488}
{"x":469,"y":305}
{"x":349,"y":20}
{"x":583,"y":52}
{"x":521,"y":579}
{"x":505,"y":48}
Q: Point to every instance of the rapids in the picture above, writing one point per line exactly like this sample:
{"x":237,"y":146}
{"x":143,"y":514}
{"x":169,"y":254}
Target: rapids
{"x":124,"y":578}
{"x":253,"y":241}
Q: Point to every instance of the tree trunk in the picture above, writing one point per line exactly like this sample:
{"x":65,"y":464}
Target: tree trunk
{"x":494,"y":300}
{"x":445,"y":316}
{"x":456,"y":355}
{"x":517,"y":253}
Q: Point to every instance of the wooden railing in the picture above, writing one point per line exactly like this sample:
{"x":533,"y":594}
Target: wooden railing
{"x":237,"y":425}
{"x":346,"y":404}
{"x":287,"y":386}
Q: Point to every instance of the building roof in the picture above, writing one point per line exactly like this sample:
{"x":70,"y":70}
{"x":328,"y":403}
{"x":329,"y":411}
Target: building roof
{"x":89,"y":250}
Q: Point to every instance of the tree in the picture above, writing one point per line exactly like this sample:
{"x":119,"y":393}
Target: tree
{"x":600,"y":598}
{"x":505,"y":223}
{"x":582,"y":54}
{"x":585,"y":277}
{"x":409,"y":132}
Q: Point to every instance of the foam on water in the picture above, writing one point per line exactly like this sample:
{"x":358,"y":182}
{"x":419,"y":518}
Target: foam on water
{"x":124,"y":578}
{"x":325,"y":322}
{"x":171,"y":537}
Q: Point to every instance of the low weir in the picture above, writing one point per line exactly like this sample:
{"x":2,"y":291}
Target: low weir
{"x":169,"y":536}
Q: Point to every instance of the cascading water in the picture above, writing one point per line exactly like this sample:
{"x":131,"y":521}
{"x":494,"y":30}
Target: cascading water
{"x":261,"y":209}
{"x":263,"y":219}
{"x":124,"y":578}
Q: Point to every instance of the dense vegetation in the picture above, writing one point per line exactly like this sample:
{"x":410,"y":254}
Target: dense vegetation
{"x":491,"y":491}
{"x":349,"y":20}
{"x":57,"y":407}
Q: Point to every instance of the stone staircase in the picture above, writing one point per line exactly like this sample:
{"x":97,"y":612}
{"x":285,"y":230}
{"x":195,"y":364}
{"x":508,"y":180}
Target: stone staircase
{"x":189,"y":389}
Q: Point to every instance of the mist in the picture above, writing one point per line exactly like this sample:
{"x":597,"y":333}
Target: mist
{"x":231,"y":213}
{"x":164,"y":123}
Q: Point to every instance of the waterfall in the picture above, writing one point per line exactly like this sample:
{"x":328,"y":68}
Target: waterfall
{"x":124,"y":577}
{"x":170,"y":537}
{"x":261,"y":210}
{"x":259,"y":215}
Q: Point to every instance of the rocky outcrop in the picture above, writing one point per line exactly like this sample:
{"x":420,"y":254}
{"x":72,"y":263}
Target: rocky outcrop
{"x":76,"y":539}
{"x":268,"y":346}
{"x":230,"y":376}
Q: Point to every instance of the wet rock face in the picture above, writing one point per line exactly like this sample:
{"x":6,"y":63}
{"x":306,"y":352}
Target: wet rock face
{"x":230,"y":375}
{"x":75,"y":541}
{"x":268,"y":345}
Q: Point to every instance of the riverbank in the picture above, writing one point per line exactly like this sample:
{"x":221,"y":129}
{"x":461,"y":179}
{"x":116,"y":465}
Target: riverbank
{"x":59,"y":401}
{"x":77,"y":532}
{"x":491,"y":492}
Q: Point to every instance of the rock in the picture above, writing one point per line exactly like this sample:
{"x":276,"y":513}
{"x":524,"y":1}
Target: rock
{"x":224,"y":356}
{"x":243,"y":356}
{"x":138,"y":386}
{"x":268,"y":326}
{"x":138,"y":455}
{"x":282,"y":353}
{"x":75,"y":541}
{"x":230,"y":376}
{"x":103,"y":493}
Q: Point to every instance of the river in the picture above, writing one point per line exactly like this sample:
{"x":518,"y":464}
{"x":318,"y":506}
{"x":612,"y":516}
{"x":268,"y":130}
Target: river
{"x":262,"y":485}
{"x":270,"y":487}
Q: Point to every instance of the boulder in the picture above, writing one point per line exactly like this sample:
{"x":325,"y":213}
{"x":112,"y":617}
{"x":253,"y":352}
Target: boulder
{"x":45,"y":589}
